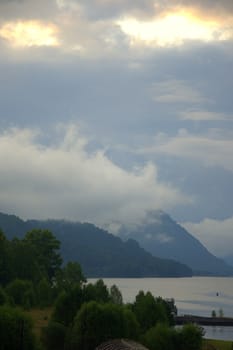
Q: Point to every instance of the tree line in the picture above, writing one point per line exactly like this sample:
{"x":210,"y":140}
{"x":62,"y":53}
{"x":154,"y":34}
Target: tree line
{"x":84,"y":314}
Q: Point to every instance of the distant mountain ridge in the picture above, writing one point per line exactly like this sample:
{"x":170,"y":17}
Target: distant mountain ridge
{"x":100,"y":253}
{"x":160,"y":235}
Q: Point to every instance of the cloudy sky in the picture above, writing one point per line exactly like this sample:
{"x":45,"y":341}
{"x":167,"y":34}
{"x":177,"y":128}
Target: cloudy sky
{"x":112,"y":108}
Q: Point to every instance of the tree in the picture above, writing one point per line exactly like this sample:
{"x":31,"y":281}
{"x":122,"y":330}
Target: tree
{"x":23,"y":262}
{"x":67,"y":305}
{"x":15,"y":330}
{"x":53,"y":336}
{"x":191,"y":337}
{"x":21,"y":293}
{"x":220,"y":312}
{"x":44,"y":293}
{"x":3,"y":296}
{"x":213,"y":313}
{"x":97,"y":322}
{"x":115,"y":295}
{"x":101,"y":292}
{"x":45,"y":247}
{"x":97,"y":291}
{"x":69,"y":276}
{"x":149,"y":311}
{"x":5,"y":273}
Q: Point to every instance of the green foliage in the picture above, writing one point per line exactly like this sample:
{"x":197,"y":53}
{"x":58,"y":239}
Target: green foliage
{"x":220,"y":312}
{"x":115,"y":295}
{"x":213,"y":313}
{"x":191,"y":337}
{"x":44,"y":293}
{"x":23,"y":261}
{"x":3,"y":296}
{"x":21,"y":293}
{"x":161,"y":337}
{"x":15,"y":330}
{"x":96,"y":323}
{"x":149,"y":310}
{"x":70,"y":300}
{"x":67,"y":305}
{"x":170,"y":309}
{"x":45,"y":248}
{"x":131,"y":325}
{"x":53,"y":336}
{"x":97,"y":291}
{"x":2,"y":237}
{"x":69,"y":276}
{"x":4,"y":260}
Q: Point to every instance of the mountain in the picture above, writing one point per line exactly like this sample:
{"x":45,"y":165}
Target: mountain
{"x":160,"y":235}
{"x":228,"y":259}
{"x":100,"y":253}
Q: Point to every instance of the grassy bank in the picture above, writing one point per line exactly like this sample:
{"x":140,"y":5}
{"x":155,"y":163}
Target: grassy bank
{"x":40,"y":318}
{"x":212,"y":344}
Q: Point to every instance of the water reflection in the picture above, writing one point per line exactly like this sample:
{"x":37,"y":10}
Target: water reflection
{"x":217,"y":332}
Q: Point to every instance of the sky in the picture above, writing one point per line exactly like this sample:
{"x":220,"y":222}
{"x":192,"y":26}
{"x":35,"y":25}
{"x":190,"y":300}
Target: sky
{"x":110,"y":109}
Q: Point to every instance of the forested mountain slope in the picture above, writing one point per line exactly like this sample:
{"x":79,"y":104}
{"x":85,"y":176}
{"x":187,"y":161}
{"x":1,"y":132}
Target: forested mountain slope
{"x":99,"y":253}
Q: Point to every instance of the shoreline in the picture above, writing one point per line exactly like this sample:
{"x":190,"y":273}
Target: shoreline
{"x":205,"y":321}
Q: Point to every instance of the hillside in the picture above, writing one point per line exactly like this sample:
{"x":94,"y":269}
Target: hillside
{"x":160,"y":235}
{"x":99,"y":253}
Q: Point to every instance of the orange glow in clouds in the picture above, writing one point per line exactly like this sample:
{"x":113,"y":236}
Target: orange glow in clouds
{"x":29,"y":33}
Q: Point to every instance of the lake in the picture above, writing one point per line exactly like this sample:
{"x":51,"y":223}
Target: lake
{"x":195,"y":295}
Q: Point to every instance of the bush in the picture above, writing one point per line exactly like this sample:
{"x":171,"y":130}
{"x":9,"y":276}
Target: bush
{"x":44,"y":293}
{"x":21,"y":292}
{"x":161,"y":337}
{"x":191,"y":337}
{"x":67,"y":305}
{"x":15,"y":330}
{"x":53,"y":336}
{"x":3,"y":296}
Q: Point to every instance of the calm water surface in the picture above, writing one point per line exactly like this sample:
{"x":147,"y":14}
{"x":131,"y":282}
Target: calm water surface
{"x":196,"y":295}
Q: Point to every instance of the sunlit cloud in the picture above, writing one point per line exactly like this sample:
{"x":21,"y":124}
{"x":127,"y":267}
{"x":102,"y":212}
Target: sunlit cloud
{"x":30,"y":33}
{"x":173,"y":29}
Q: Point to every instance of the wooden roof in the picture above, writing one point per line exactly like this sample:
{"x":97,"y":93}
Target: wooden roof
{"x":120,"y":344}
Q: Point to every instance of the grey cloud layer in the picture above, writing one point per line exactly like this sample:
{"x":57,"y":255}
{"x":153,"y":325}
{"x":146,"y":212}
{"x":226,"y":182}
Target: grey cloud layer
{"x":27,"y":9}
{"x":209,"y":230}
{"x":141,"y":8}
{"x":102,"y":10}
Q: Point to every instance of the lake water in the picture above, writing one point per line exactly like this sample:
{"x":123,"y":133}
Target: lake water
{"x":196,"y":295}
